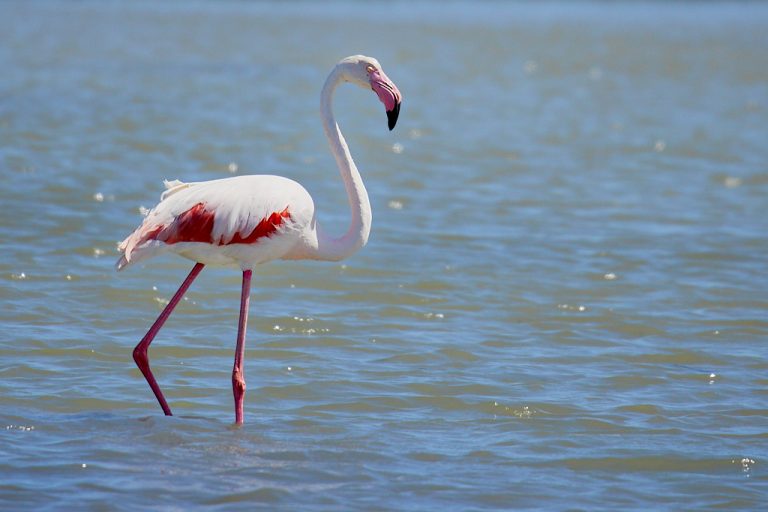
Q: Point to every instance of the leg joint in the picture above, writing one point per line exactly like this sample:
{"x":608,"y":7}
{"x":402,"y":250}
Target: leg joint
{"x":238,"y":382}
{"x":140,"y":357}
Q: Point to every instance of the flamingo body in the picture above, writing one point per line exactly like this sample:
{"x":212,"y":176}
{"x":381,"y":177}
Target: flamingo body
{"x":248,"y":220}
{"x":241,"y":221}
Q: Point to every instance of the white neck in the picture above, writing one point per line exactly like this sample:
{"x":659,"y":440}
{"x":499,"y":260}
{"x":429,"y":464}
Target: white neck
{"x":335,"y":249}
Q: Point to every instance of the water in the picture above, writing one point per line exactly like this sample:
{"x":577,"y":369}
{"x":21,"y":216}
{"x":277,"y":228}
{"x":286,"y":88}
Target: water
{"x":562,"y":306}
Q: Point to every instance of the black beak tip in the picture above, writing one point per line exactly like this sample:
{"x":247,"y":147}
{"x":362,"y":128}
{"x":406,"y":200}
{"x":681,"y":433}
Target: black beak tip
{"x":392,"y":116}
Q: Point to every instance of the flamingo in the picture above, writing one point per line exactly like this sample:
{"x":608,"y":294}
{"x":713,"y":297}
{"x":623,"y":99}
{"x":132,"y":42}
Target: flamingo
{"x":244,"y":221}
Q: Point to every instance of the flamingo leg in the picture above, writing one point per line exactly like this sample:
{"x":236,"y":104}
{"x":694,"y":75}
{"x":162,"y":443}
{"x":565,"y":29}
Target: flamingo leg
{"x":238,"y":376}
{"x":140,"y":352}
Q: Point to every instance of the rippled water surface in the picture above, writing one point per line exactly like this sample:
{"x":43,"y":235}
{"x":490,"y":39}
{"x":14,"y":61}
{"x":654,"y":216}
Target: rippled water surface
{"x":563,"y":304}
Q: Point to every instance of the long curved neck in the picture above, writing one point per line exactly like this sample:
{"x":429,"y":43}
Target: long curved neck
{"x":329,"y":248}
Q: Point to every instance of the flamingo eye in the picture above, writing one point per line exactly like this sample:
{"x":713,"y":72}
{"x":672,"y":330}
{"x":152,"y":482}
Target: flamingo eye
{"x":370,"y":69}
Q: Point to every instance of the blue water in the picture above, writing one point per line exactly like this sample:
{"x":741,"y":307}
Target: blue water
{"x":562,"y":304}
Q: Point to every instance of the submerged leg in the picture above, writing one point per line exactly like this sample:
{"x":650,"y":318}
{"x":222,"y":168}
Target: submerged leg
{"x":238,"y":377}
{"x":140,"y":352}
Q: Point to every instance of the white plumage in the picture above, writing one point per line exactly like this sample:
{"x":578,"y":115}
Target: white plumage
{"x":237,"y":205}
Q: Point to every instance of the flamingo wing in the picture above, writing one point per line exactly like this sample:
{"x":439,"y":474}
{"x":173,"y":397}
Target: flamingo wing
{"x":225,"y":221}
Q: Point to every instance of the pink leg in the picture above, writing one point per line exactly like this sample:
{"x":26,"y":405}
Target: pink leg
{"x":238,"y":377}
{"x":140,"y":352}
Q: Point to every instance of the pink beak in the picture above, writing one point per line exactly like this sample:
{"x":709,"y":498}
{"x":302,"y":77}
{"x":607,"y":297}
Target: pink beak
{"x":389,"y":95}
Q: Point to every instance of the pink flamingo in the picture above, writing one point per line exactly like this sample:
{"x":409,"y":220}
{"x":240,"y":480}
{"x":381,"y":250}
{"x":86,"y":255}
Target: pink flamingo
{"x":247,"y":220}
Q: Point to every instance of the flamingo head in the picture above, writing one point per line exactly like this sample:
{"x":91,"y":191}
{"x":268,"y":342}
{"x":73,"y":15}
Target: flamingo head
{"x":366,"y":72}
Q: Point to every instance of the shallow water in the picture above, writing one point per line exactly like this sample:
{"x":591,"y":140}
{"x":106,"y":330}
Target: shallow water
{"x":562,"y":305}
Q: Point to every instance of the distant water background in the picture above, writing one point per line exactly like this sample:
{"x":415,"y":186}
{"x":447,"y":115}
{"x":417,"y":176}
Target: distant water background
{"x":563,"y":304}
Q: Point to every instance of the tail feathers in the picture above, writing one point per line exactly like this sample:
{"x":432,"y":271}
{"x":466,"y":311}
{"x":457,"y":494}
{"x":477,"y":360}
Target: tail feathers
{"x":125,"y":258}
{"x":142,"y":252}
{"x":141,"y":243}
{"x":121,"y":263}
{"x":138,"y":243}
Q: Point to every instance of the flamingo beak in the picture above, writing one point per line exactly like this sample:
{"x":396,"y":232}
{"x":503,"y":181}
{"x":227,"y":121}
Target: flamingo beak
{"x":392,"y":116}
{"x":389,"y":95}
